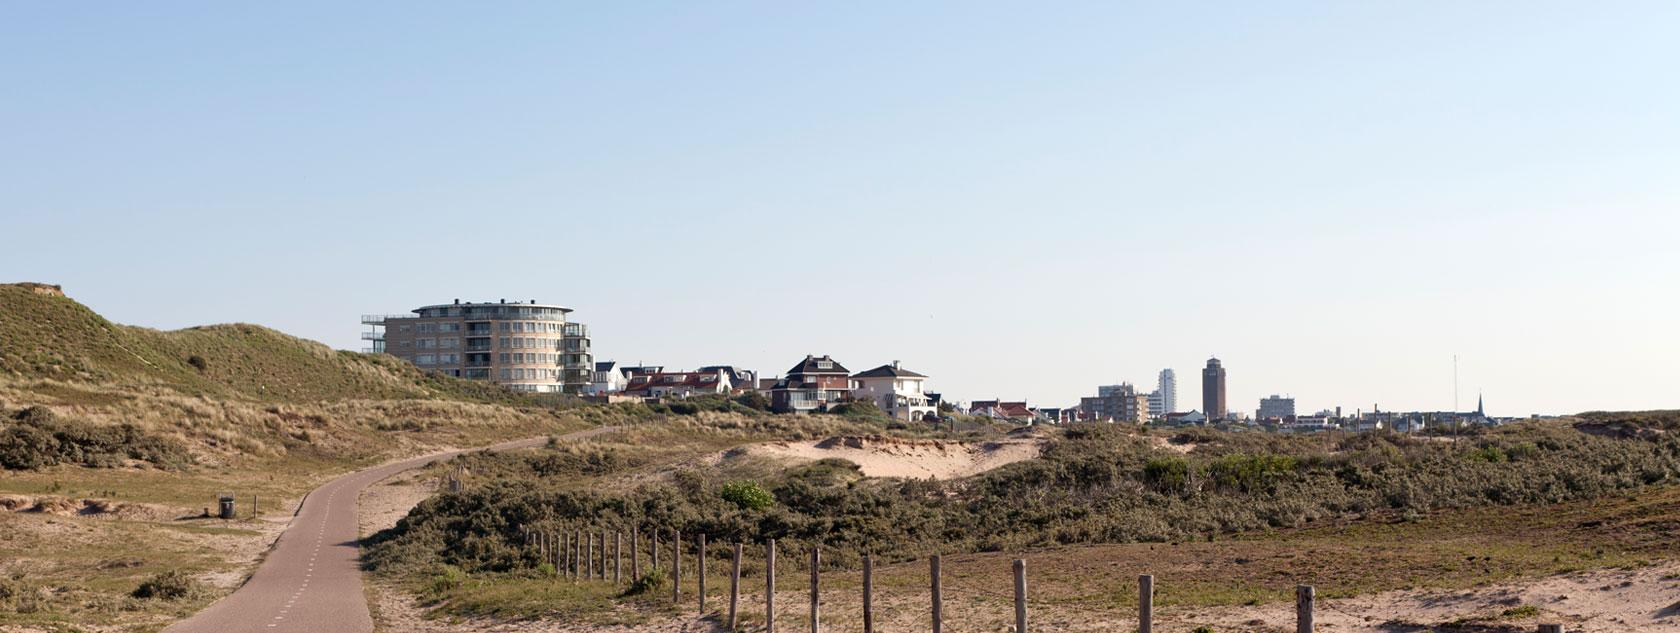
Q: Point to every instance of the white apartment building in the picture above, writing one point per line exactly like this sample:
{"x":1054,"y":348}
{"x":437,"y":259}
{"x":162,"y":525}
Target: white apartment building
{"x":896,"y":390}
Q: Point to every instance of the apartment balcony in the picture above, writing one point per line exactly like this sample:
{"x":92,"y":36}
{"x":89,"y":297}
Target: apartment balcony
{"x":573,"y":330}
{"x":373,"y":336}
{"x":380,"y":319}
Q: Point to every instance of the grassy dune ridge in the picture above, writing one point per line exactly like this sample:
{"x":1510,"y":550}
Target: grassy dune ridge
{"x":116,"y":435}
{"x":1236,"y":518}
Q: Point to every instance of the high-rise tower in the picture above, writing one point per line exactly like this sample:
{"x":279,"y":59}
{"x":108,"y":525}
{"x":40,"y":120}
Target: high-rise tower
{"x":1167,"y":386}
{"x":1213,"y":390}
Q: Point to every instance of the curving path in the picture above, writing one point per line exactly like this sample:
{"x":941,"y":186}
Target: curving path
{"x":311,"y":580}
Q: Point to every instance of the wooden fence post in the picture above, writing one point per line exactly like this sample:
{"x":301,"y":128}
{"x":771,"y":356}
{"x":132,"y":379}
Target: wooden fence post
{"x":938,"y":595}
{"x":653,"y":547}
{"x":676,"y":566}
{"x":635,"y":559}
{"x":577,"y":554}
{"x":816,"y":563}
{"x":618,"y":557}
{"x":1146,"y":603}
{"x":735,"y":586}
{"x":1020,"y":596}
{"x":770,"y":586}
{"x":868,"y":594}
{"x":700,"y":561}
{"x":1304,"y":609}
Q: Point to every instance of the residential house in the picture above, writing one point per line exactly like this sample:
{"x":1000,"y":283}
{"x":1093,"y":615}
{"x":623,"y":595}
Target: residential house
{"x":1184,"y":418}
{"x":897,"y":391}
{"x":741,"y":379}
{"x":679,"y":384}
{"x":815,"y":384}
{"x":1018,"y":411}
{"x":610,"y":377}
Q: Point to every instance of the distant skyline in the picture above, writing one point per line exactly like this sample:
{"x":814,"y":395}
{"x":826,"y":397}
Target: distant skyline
{"x":1019,"y":200}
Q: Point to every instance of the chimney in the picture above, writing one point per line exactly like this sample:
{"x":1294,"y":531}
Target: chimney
{"x":533,"y":302}
{"x":895,"y":364}
{"x":457,"y":302}
{"x":503,"y":300}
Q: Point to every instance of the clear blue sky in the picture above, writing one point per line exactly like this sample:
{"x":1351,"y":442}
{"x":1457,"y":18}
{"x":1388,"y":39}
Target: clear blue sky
{"x":1022,"y":200}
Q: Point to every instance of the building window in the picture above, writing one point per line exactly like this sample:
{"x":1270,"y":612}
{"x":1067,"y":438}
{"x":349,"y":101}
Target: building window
{"x":425,"y":359}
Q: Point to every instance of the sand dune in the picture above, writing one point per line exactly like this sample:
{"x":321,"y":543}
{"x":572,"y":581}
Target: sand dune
{"x":921,"y":459}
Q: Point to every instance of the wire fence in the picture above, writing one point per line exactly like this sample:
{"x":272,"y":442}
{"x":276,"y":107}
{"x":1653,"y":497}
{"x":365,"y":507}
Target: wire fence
{"x":582,"y":554}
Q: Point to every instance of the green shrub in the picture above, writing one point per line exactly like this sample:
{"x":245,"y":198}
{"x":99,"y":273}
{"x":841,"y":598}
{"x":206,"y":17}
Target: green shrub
{"x":747,"y":495}
{"x":446,"y":579}
{"x":38,"y":439}
{"x":650,"y":582}
{"x":1490,"y":454}
{"x":862,"y":409}
{"x":1167,"y":474}
{"x":1249,"y":473}
{"x":1521,"y":612}
{"x":754,"y":400}
{"x":169,"y":585}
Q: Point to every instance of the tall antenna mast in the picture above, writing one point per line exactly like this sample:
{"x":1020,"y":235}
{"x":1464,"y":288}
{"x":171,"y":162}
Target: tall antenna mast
{"x":1455,"y":399}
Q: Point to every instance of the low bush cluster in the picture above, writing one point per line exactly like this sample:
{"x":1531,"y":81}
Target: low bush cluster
{"x":36,"y":438}
{"x":1090,"y":485}
{"x":169,"y":585}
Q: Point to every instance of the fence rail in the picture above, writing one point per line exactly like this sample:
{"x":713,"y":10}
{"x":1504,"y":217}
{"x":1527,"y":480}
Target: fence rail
{"x":572,"y":553}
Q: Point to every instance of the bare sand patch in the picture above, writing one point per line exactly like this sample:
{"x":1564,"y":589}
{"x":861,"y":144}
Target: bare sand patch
{"x":895,"y":457}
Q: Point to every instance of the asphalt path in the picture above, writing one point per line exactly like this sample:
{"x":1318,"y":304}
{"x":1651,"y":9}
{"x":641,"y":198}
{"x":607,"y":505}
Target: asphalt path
{"x":311,"y":580}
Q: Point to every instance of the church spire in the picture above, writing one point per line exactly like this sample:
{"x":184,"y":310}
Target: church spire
{"x":1479,"y":411}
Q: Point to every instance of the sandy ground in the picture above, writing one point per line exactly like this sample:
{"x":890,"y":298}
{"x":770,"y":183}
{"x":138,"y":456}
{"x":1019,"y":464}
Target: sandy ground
{"x":51,"y":518}
{"x":1640,"y":601}
{"x":920,"y":459}
{"x":1637,"y":601}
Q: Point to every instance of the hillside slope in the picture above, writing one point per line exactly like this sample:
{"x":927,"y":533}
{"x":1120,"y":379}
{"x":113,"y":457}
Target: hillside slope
{"x":44,"y":336}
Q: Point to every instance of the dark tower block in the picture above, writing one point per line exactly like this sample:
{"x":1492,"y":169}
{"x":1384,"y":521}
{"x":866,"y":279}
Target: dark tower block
{"x":1213,"y":390}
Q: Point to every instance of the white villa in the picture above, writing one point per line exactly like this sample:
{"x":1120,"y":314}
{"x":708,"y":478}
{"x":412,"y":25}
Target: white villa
{"x":896,"y":390}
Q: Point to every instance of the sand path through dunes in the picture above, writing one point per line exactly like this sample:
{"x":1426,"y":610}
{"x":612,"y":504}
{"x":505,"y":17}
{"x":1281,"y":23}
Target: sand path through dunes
{"x":919,"y":459}
{"x":312,"y":581}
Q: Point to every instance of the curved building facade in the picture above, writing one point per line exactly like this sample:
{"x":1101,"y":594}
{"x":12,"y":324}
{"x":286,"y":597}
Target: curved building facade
{"x":524,"y":346}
